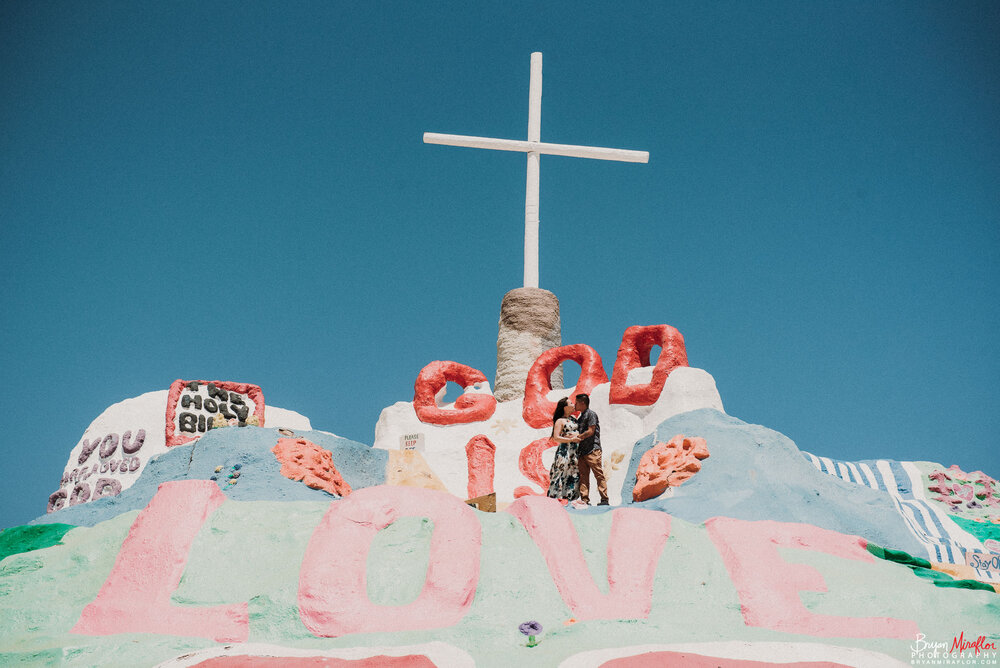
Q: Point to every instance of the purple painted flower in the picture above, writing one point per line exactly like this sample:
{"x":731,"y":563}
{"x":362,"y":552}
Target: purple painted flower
{"x":531,"y":628}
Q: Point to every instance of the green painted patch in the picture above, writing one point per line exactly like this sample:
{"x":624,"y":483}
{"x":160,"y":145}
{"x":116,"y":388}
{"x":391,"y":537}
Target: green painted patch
{"x":898,"y":556}
{"x":965,"y":584}
{"x":16,"y":540}
{"x":981,"y":530}
{"x":921,"y":568}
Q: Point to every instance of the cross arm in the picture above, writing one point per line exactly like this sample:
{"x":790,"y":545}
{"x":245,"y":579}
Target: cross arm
{"x":594,"y":152}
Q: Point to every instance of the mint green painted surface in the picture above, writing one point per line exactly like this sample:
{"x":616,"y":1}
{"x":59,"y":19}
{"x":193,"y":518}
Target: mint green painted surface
{"x":252,"y":551}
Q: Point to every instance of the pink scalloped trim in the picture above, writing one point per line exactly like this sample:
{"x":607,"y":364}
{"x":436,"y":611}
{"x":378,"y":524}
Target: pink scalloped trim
{"x":253,"y":392}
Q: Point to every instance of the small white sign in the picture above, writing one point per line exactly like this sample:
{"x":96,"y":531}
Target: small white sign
{"x":987,"y":566}
{"x":411,"y":442}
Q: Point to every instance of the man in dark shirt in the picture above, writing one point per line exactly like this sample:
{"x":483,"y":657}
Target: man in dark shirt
{"x":589,"y":451}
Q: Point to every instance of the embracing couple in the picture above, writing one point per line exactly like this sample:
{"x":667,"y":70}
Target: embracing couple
{"x":578,"y":453}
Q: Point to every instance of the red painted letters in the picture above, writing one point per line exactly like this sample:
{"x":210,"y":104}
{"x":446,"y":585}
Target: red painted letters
{"x":637,"y":342}
{"x":537,"y":409}
{"x":470,"y":407}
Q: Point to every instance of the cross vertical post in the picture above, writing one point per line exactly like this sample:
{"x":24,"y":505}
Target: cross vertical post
{"x":531,"y":220}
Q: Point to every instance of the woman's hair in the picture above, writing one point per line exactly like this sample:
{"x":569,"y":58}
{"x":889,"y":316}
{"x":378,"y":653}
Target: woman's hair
{"x":559,"y":412}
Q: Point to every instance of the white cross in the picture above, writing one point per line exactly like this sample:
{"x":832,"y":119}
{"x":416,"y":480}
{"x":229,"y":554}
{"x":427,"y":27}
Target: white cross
{"x":534,"y":147}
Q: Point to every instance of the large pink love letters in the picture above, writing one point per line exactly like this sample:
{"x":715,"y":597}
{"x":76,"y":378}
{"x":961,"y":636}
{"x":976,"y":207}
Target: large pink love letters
{"x":136,"y":597}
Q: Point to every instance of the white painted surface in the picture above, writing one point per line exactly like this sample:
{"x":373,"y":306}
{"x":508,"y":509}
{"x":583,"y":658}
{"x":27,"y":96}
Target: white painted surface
{"x":148,"y":413}
{"x":516,"y":145}
{"x":277,"y":418}
{"x":776,"y":652}
{"x":686,"y":389}
{"x":440,"y":653}
{"x":531,"y":189}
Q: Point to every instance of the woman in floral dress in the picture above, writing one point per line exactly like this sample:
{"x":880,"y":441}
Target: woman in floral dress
{"x":564,"y":476}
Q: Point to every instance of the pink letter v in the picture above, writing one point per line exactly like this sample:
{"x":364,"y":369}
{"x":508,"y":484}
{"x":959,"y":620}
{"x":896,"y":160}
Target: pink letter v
{"x":637,"y":538}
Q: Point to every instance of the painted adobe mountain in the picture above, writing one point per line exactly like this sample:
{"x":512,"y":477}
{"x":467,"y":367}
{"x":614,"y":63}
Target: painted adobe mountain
{"x":226,"y":532}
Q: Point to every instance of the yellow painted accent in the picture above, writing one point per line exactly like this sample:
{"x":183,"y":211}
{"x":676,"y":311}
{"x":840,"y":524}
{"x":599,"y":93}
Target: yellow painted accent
{"x":616,"y":459}
{"x":957,"y":571}
{"x":408,"y":468}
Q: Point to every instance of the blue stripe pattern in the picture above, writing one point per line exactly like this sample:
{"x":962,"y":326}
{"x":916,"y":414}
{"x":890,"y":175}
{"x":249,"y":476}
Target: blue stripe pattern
{"x":923,"y":520}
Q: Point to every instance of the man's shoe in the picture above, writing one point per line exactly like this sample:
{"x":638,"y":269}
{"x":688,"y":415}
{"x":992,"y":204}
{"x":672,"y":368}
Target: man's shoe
{"x":580,"y":504}
{"x":604,"y":502}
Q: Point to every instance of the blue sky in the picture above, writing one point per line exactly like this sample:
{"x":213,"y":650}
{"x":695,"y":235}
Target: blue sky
{"x":239,"y":191}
